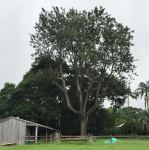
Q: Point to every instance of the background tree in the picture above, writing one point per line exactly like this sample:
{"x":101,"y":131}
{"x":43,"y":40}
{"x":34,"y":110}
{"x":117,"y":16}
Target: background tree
{"x":128,"y":116}
{"x":144,"y":122}
{"x":93,"y":45}
{"x":6,"y":102}
{"x":36,"y":98}
{"x":143,"y":91}
{"x":135,"y":121}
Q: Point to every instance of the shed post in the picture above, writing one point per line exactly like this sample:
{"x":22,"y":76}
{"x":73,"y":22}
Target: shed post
{"x":46,"y":136}
{"x":36,"y":134}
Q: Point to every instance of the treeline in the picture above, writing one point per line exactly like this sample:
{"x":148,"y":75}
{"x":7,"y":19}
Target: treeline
{"x":42,"y":104}
{"x":38,"y":99}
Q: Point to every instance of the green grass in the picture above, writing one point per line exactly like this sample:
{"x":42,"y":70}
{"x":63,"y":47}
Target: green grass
{"x":98,"y":145}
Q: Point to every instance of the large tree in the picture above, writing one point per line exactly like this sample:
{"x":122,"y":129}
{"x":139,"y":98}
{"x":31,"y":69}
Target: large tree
{"x":93,"y":45}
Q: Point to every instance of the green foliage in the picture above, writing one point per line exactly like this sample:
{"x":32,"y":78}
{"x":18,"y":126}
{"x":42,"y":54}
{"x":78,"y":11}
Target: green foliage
{"x":37,"y":97}
{"x":107,"y":121}
{"x":6,"y":102}
{"x":102,"y":122}
{"x":135,"y":121}
{"x":84,"y":40}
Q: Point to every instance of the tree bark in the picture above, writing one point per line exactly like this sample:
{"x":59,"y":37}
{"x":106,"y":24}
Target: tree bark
{"x":83,"y":126}
{"x":145,"y":104}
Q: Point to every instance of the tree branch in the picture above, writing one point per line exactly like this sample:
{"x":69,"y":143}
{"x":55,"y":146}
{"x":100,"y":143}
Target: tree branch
{"x":66,"y":93}
{"x":88,"y":90}
{"x":59,"y":86}
{"x":96,"y":100}
{"x":79,"y":89}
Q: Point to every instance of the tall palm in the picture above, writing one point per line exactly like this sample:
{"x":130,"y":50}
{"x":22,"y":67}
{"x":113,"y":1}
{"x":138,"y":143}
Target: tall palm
{"x":143,"y":91}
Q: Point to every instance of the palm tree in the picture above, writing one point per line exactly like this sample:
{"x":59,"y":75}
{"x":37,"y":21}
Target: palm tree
{"x":143,"y":91}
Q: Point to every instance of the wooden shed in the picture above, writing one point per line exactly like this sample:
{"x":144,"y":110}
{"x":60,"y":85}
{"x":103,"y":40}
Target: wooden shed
{"x":14,"y":130}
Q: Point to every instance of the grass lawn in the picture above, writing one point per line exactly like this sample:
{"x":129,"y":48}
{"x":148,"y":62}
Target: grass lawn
{"x":124,"y":144}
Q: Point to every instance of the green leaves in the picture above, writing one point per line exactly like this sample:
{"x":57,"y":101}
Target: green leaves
{"x":6,"y":102}
{"x":83,"y":38}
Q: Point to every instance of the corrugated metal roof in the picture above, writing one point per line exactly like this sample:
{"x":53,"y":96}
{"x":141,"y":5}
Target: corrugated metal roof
{"x":28,"y":123}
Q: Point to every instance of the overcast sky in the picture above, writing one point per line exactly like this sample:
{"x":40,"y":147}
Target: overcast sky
{"x":18,"y":17}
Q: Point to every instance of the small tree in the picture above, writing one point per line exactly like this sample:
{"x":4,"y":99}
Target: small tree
{"x":92,"y":45}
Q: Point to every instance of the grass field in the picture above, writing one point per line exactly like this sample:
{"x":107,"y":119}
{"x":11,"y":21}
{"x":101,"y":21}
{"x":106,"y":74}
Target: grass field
{"x":98,"y":145}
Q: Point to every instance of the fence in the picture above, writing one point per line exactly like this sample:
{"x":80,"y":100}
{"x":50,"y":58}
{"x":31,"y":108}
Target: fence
{"x":75,"y":137}
{"x":51,"y":137}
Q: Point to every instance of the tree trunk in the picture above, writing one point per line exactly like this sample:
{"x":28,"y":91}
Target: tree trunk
{"x":145,"y":104}
{"x":84,"y":122}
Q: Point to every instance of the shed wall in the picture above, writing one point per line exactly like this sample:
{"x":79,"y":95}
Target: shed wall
{"x":12,"y":131}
